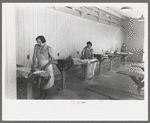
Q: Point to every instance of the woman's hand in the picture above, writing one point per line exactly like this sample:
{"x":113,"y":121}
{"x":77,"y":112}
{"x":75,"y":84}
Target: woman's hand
{"x":44,"y":68}
{"x":33,"y":67}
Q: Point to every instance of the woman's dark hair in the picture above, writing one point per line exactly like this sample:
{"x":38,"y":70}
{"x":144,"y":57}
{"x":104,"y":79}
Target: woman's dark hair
{"x":41,"y":38}
{"x":89,"y":43}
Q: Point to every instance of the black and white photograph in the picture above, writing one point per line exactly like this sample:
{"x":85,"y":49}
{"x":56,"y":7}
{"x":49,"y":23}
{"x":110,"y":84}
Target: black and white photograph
{"x":75,"y":61}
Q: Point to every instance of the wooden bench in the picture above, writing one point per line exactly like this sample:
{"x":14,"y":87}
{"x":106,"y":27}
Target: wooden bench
{"x":138,"y":65}
{"x":136,"y":74}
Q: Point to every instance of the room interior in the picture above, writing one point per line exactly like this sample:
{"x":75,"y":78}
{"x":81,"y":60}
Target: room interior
{"x":67,"y":29}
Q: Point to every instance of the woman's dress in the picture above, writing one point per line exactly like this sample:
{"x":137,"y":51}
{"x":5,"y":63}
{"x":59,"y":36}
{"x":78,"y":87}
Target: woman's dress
{"x":43,"y":56}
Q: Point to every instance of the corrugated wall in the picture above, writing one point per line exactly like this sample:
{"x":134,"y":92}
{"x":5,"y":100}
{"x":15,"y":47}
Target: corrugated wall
{"x":65,"y":33}
{"x":8,"y":48}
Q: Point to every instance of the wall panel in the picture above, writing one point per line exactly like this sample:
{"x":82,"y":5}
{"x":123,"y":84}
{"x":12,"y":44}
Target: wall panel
{"x":26,"y":34}
{"x":17,"y":32}
{"x":9,"y":48}
{"x":65,"y":33}
{"x":31,"y":33}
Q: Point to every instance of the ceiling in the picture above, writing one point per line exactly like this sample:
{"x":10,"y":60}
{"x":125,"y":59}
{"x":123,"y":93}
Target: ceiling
{"x":138,"y":9}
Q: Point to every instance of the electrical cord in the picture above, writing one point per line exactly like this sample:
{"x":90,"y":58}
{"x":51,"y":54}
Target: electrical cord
{"x":27,"y":62}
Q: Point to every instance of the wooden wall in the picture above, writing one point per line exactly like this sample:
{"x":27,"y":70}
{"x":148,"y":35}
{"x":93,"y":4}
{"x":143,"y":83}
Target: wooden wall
{"x":65,"y":33}
{"x":8,"y":52}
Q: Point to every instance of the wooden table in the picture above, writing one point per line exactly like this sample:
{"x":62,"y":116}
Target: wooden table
{"x":138,"y":65}
{"x":111,"y":57}
{"x":24,"y":71}
{"x":135,"y":73}
{"x":101,"y":58}
{"x":122,"y":54}
{"x":65,"y":64}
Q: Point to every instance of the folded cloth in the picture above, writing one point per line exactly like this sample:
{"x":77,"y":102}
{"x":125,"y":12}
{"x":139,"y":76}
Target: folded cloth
{"x":38,"y":72}
{"x":78,"y":61}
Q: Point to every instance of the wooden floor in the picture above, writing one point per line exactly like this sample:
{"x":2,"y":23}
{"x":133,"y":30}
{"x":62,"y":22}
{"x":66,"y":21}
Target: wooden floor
{"x":76,"y":87}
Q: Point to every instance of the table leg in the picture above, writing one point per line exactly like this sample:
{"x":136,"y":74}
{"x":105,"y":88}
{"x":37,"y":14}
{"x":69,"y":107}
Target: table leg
{"x":110,"y":64}
{"x":100,"y":68}
{"x":63,"y":72}
{"x":63,"y":83}
{"x":119,"y":61}
{"x":29,"y":90}
{"x":30,"y":86}
{"x":126,"y":57}
{"x":139,"y":87}
{"x":111,"y":60}
{"x":84,"y":72}
{"x":139,"y":83}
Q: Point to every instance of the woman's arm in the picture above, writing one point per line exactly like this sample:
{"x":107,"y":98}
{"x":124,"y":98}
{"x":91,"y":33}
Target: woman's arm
{"x":50,"y":53}
{"x":92,"y":53}
{"x":83,"y":53}
{"x":122,"y":49}
{"x":126,"y":48}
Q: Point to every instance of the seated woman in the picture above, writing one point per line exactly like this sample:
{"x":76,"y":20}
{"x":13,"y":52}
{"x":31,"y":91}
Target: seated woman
{"x":87,"y":53}
{"x":123,"y":49}
{"x":43,"y":54}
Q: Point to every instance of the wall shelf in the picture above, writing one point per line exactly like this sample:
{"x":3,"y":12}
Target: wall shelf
{"x":92,"y":13}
